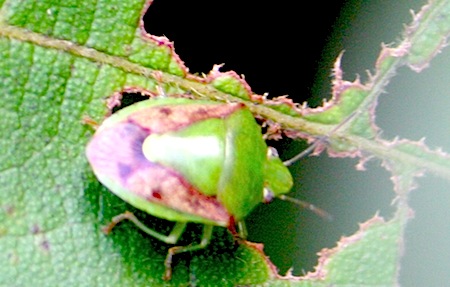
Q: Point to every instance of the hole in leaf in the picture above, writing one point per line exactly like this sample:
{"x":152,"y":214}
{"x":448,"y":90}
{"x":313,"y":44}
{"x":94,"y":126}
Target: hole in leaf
{"x":128,"y":99}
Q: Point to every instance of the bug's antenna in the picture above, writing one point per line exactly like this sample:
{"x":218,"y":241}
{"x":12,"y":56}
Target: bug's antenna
{"x":319,"y":211}
{"x":320,"y":140}
{"x":269,"y":196}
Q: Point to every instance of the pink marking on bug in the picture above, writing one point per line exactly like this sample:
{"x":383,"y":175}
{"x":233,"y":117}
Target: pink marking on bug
{"x":171,"y":118}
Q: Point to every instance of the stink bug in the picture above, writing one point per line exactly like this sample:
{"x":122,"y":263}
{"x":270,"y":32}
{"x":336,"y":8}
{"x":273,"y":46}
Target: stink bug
{"x":187,"y":161}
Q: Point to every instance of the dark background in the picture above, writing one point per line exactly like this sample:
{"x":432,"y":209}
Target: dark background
{"x":276,"y":47}
{"x":281,"y":49}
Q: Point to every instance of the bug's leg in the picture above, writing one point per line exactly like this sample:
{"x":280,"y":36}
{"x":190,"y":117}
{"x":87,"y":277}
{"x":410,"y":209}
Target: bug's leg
{"x":206,"y":238}
{"x":242,"y":229}
{"x":239,"y":234}
{"x":322,"y":139}
{"x":86,"y":120}
{"x":172,"y":238}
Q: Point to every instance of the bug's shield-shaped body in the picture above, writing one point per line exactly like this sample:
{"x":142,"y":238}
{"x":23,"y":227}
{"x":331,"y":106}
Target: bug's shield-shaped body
{"x":182,"y":160}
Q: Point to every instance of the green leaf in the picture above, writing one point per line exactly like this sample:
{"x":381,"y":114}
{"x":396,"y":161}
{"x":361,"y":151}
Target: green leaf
{"x":57,"y":70}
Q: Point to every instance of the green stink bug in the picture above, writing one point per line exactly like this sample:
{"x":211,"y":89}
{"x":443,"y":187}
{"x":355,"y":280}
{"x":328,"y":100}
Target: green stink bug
{"x":187,"y":161}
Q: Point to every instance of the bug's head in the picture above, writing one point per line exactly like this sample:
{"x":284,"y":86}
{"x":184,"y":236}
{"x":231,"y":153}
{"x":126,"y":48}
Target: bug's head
{"x":277,"y":177}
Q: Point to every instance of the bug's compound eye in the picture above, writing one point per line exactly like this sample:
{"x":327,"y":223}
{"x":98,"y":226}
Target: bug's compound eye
{"x":272,"y":152}
{"x":268,"y":195}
